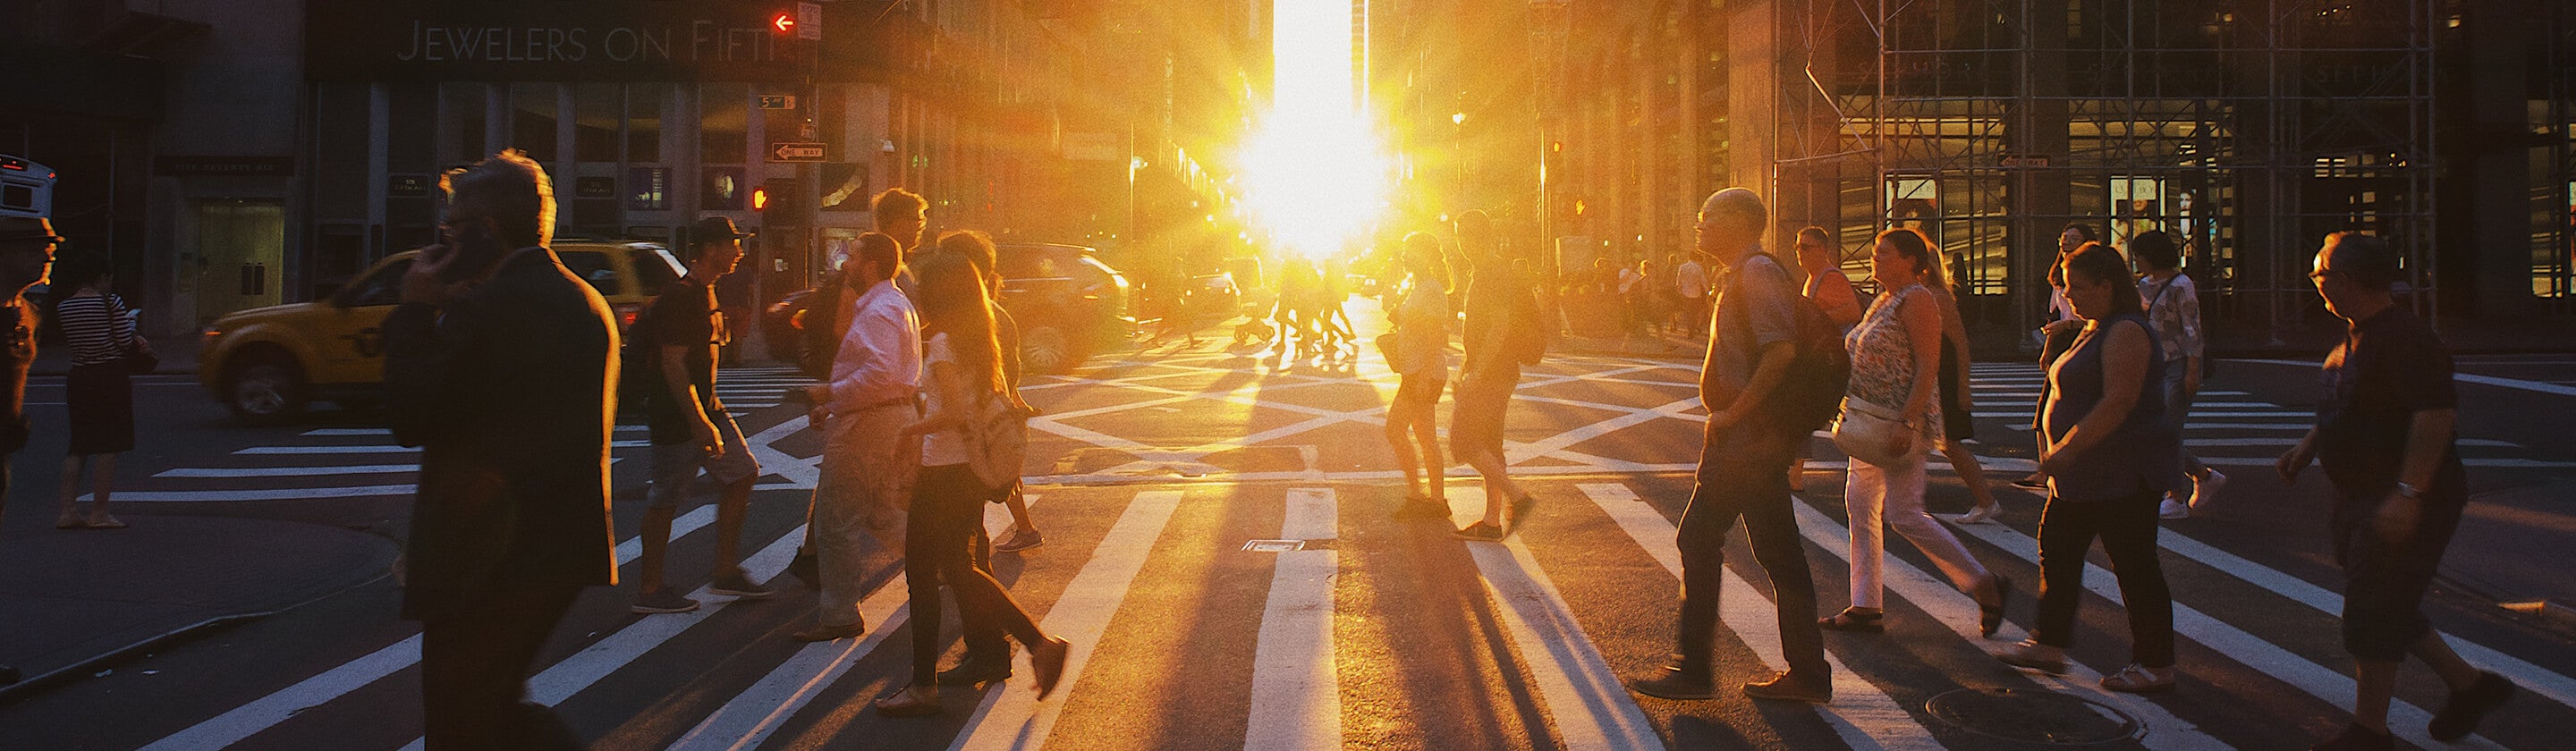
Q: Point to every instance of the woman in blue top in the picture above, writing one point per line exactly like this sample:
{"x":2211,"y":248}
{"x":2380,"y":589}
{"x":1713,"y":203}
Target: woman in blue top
{"x":2109,"y":456}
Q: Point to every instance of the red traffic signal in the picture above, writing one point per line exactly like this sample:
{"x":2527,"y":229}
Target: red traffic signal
{"x":760,"y":198}
{"x":784,"y":22}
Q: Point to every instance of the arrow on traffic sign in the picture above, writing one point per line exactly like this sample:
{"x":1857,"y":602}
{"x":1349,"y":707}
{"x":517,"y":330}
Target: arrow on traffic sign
{"x":796,"y":152}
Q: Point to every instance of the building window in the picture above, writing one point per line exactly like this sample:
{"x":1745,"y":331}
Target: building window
{"x":644,"y":102}
{"x":596,"y":112}
{"x":648,"y":188}
{"x":724,"y":123}
{"x":532,"y":120}
{"x":462,"y":120}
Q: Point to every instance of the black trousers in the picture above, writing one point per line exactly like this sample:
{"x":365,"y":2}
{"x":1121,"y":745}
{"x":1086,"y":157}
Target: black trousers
{"x":474,"y":670}
{"x":984,"y":639}
{"x":1739,"y":476}
{"x":938,"y":548}
{"x":2127,"y":528}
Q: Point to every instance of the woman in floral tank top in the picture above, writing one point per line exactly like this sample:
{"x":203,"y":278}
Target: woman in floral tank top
{"x":1896,"y":361}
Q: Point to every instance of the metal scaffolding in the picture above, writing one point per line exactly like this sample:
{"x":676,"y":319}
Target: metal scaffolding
{"x":1991,"y":124}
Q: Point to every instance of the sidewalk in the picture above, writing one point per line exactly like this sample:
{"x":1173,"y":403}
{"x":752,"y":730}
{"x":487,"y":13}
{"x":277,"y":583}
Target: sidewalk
{"x":73,"y":602}
{"x":178,"y":355}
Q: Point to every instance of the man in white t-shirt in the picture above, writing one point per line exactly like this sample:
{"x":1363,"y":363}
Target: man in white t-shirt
{"x":1690,"y":280}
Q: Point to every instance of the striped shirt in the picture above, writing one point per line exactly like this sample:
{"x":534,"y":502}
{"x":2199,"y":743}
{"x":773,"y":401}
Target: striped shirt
{"x":96,"y":328}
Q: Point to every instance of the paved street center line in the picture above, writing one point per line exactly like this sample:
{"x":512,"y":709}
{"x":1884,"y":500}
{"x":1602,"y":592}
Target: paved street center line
{"x":1296,"y":698}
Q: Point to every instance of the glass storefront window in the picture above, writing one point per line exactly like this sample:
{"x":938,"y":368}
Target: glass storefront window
{"x":596,"y":113}
{"x":724,"y":123}
{"x":644,"y":102}
{"x":461,"y":128}
{"x":532,"y":120}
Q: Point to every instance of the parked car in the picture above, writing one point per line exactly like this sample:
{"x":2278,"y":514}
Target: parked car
{"x":1069,"y":305}
{"x":267,"y":364}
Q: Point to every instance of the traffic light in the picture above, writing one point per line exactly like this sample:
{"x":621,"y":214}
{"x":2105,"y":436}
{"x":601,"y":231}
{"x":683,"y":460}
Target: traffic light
{"x":760,"y":198}
{"x":778,"y":197}
{"x":783,"y":21}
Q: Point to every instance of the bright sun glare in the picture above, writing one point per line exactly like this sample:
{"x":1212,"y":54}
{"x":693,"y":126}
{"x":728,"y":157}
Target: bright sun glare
{"x":1317,"y":175}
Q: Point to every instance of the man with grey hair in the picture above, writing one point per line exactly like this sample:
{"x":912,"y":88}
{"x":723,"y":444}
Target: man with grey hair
{"x":500,"y":365}
{"x":1744,"y":446}
{"x":26,"y":255}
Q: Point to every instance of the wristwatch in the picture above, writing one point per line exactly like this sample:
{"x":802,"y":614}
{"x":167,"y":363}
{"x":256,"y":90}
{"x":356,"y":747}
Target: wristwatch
{"x":2409,"y":491}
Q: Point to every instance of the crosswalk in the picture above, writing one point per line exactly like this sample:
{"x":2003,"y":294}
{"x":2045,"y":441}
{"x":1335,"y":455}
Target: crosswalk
{"x":364,"y":462}
{"x":1324,"y":643}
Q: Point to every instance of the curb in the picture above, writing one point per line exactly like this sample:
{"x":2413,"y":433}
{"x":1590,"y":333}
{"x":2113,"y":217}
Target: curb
{"x":73,"y":673}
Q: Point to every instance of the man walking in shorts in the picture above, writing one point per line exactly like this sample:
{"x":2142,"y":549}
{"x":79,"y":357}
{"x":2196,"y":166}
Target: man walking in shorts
{"x":683,"y":332}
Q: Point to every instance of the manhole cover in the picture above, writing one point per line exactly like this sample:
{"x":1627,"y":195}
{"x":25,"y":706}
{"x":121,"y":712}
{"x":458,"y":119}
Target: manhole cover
{"x":2032,"y":716}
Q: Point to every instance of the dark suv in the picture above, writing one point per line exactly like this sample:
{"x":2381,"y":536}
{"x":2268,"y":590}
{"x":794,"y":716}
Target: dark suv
{"x":1067,"y":303}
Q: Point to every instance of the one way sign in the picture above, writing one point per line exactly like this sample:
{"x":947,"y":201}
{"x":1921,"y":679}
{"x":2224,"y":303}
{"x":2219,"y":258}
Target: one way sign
{"x":796,"y":152}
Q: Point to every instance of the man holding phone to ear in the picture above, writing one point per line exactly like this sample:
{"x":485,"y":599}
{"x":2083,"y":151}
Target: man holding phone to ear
{"x":500,"y":365}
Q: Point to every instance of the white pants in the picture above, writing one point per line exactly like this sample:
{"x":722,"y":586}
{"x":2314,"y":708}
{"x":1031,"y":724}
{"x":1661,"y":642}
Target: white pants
{"x":1898,"y":491}
{"x":856,"y":497}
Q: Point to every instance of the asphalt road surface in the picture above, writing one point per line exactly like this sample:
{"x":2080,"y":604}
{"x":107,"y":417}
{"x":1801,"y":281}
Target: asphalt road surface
{"x":1154,"y":469}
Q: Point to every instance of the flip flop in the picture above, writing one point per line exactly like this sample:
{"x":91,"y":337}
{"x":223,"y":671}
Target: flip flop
{"x":70,"y":522}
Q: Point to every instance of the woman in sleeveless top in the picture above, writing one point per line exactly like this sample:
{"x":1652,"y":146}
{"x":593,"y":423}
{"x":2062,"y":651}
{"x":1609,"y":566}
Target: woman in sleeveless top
{"x":2109,"y":457}
{"x":1422,"y":360}
{"x":1895,"y":355}
{"x":963,"y":366}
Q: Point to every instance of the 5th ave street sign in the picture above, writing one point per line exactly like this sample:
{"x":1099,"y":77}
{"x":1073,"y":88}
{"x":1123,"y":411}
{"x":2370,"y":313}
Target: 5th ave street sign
{"x":796,"y":152}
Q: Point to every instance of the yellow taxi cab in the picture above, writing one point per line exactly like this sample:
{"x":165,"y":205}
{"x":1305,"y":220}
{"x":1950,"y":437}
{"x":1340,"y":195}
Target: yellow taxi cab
{"x":267,"y":363}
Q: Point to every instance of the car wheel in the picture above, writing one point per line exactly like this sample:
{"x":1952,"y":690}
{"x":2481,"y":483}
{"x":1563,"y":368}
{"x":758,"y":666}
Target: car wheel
{"x":265,"y":393}
{"x":1045,"y":349}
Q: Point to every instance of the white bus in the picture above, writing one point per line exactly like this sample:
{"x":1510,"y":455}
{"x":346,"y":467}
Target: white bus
{"x":26,"y":188}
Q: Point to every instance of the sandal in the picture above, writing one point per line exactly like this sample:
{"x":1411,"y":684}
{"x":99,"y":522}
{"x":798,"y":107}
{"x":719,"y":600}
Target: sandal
{"x":1854,"y":620}
{"x":103,"y":521}
{"x":71,"y":521}
{"x":1991,"y":618}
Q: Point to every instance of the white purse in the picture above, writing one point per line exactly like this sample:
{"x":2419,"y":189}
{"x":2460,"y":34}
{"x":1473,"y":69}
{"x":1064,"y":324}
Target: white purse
{"x":1864,"y":430}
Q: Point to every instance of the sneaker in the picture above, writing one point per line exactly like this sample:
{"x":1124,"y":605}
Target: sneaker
{"x":2358,"y":738}
{"x":1675,"y":683}
{"x":1481,"y":532}
{"x":2029,"y":653}
{"x":1019,"y":540}
{"x":662,"y":601}
{"x":2205,"y":489}
{"x":737,"y":584}
{"x":1790,"y":686}
{"x":2460,"y":715}
{"x":2140,"y":679}
{"x":2173,"y":509}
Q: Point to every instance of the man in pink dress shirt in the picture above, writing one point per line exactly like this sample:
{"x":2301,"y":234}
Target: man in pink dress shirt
{"x":863,"y":407}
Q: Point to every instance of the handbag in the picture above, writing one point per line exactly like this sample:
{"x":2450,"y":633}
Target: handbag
{"x":1864,"y":429}
{"x":140,"y":361}
{"x":1388,"y":347}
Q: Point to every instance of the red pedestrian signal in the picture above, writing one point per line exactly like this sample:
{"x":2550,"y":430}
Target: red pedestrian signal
{"x":760,"y":198}
{"x":784,"y":22}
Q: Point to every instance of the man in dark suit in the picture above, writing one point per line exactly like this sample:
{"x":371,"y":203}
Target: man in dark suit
{"x":499,"y":364}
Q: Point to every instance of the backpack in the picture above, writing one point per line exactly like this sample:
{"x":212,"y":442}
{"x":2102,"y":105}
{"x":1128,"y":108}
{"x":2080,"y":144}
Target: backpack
{"x":997,"y":441}
{"x":821,"y":342}
{"x":1810,"y":395}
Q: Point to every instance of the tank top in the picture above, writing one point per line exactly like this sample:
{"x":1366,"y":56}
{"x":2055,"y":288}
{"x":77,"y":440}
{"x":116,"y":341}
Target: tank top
{"x":2142,"y":454}
{"x":1882,"y":355}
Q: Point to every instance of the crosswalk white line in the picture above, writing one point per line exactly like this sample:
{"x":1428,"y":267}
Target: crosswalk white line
{"x":1013,"y":718}
{"x":265,"y":712}
{"x":229,"y":472}
{"x":375,"y":449}
{"x":362,"y":432}
{"x":1933,"y":595}
{"x":2555,"y":685}
{"x":1590,"y":704}
{"x":748,"y":719}
{"x":582,"y":669}
{"x":1296,"y":698}
{"x":1861,"y":713}
{"x":269,"y":494}
{"x":2326,"y":684}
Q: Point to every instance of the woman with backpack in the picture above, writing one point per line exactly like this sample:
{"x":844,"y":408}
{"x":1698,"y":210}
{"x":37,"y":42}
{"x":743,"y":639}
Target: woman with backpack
{"x":2173,"y":313}
{"x":963,"y":387}
{"x":1894,"y":404}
